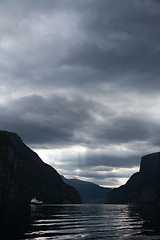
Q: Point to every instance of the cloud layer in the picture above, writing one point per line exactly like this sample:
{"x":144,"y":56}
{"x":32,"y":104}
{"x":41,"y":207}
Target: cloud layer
{"x":79,"y":82}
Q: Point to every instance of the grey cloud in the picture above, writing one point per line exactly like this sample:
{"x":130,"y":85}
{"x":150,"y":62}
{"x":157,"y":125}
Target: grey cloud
{"x":107,"y":160}
{"x":133,"y":63}
{"x":123,"y":58}
{"x":109,"y":180}
{"x":102,"y":176}
{"x":65,"y":120}
{"x":112,"y":161}
{"x":123,"y":18}
{"x":121,"y":49}
{"x":82,"y":73}
{"x":42,"y":120}
{"x":126,"y":46}
{"x":122,"y":129}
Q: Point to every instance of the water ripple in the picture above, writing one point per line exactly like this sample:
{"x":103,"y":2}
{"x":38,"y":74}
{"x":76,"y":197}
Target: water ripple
{"x":76,"y":222}
{"x":88,"y":222}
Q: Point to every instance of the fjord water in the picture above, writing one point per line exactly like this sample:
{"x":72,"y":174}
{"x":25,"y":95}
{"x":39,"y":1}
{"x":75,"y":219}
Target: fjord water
{"x":102,"y":221}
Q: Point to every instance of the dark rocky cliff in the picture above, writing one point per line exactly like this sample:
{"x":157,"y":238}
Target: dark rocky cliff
{"x":143,"y":187}
{"x":24,"y":175}
{"x":8,"y":188}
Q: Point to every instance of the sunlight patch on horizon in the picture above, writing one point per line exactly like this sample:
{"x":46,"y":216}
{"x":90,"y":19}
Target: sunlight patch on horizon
{"x":68,"y":163}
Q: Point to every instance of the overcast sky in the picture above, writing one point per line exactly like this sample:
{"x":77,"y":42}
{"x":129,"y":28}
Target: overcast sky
{"x":80,"y":83}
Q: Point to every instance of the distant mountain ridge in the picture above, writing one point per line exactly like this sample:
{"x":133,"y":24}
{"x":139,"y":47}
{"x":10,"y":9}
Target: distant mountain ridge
{"x":24,"y":175}
{"x":143,"y":187}
{"x":90,"y":192}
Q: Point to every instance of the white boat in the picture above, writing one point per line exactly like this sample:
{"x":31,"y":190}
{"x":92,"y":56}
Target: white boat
{"x":34,"y":201}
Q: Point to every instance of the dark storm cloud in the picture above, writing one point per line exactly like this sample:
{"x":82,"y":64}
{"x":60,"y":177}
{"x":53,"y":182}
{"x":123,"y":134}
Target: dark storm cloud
{"x":110,"y":160}
{"x":107,"y":160}
{"x":74,"y":120}
{"x":125,"y":129}
{"x":82,"y":75}
{"x":119,"y":44}
{"x":44,"y":120}
{"x":122,"y":39}
{"x":120,"y":58}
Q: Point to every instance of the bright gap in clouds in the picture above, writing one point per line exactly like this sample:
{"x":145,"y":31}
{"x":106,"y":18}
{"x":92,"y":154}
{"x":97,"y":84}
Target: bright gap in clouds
{"x":73,"y":163}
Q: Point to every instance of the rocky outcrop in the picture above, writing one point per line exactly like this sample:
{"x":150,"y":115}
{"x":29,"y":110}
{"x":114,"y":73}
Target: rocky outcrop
{"x":24,"y":175}
{"x":143,"y":187}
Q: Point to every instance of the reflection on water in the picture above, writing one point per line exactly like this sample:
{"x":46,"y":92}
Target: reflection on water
{"x":80,"y":222}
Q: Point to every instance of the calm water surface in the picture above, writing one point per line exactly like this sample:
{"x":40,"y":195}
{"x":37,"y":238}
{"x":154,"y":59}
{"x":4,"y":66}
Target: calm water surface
{"x":80,"y":222}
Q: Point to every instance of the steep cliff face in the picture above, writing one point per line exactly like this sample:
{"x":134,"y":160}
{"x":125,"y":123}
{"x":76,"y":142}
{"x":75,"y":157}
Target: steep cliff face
{"x":8,"y":188}
{"x":150,"y":163}
{"x":24,"y":175}
{"x":143,"y":187}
